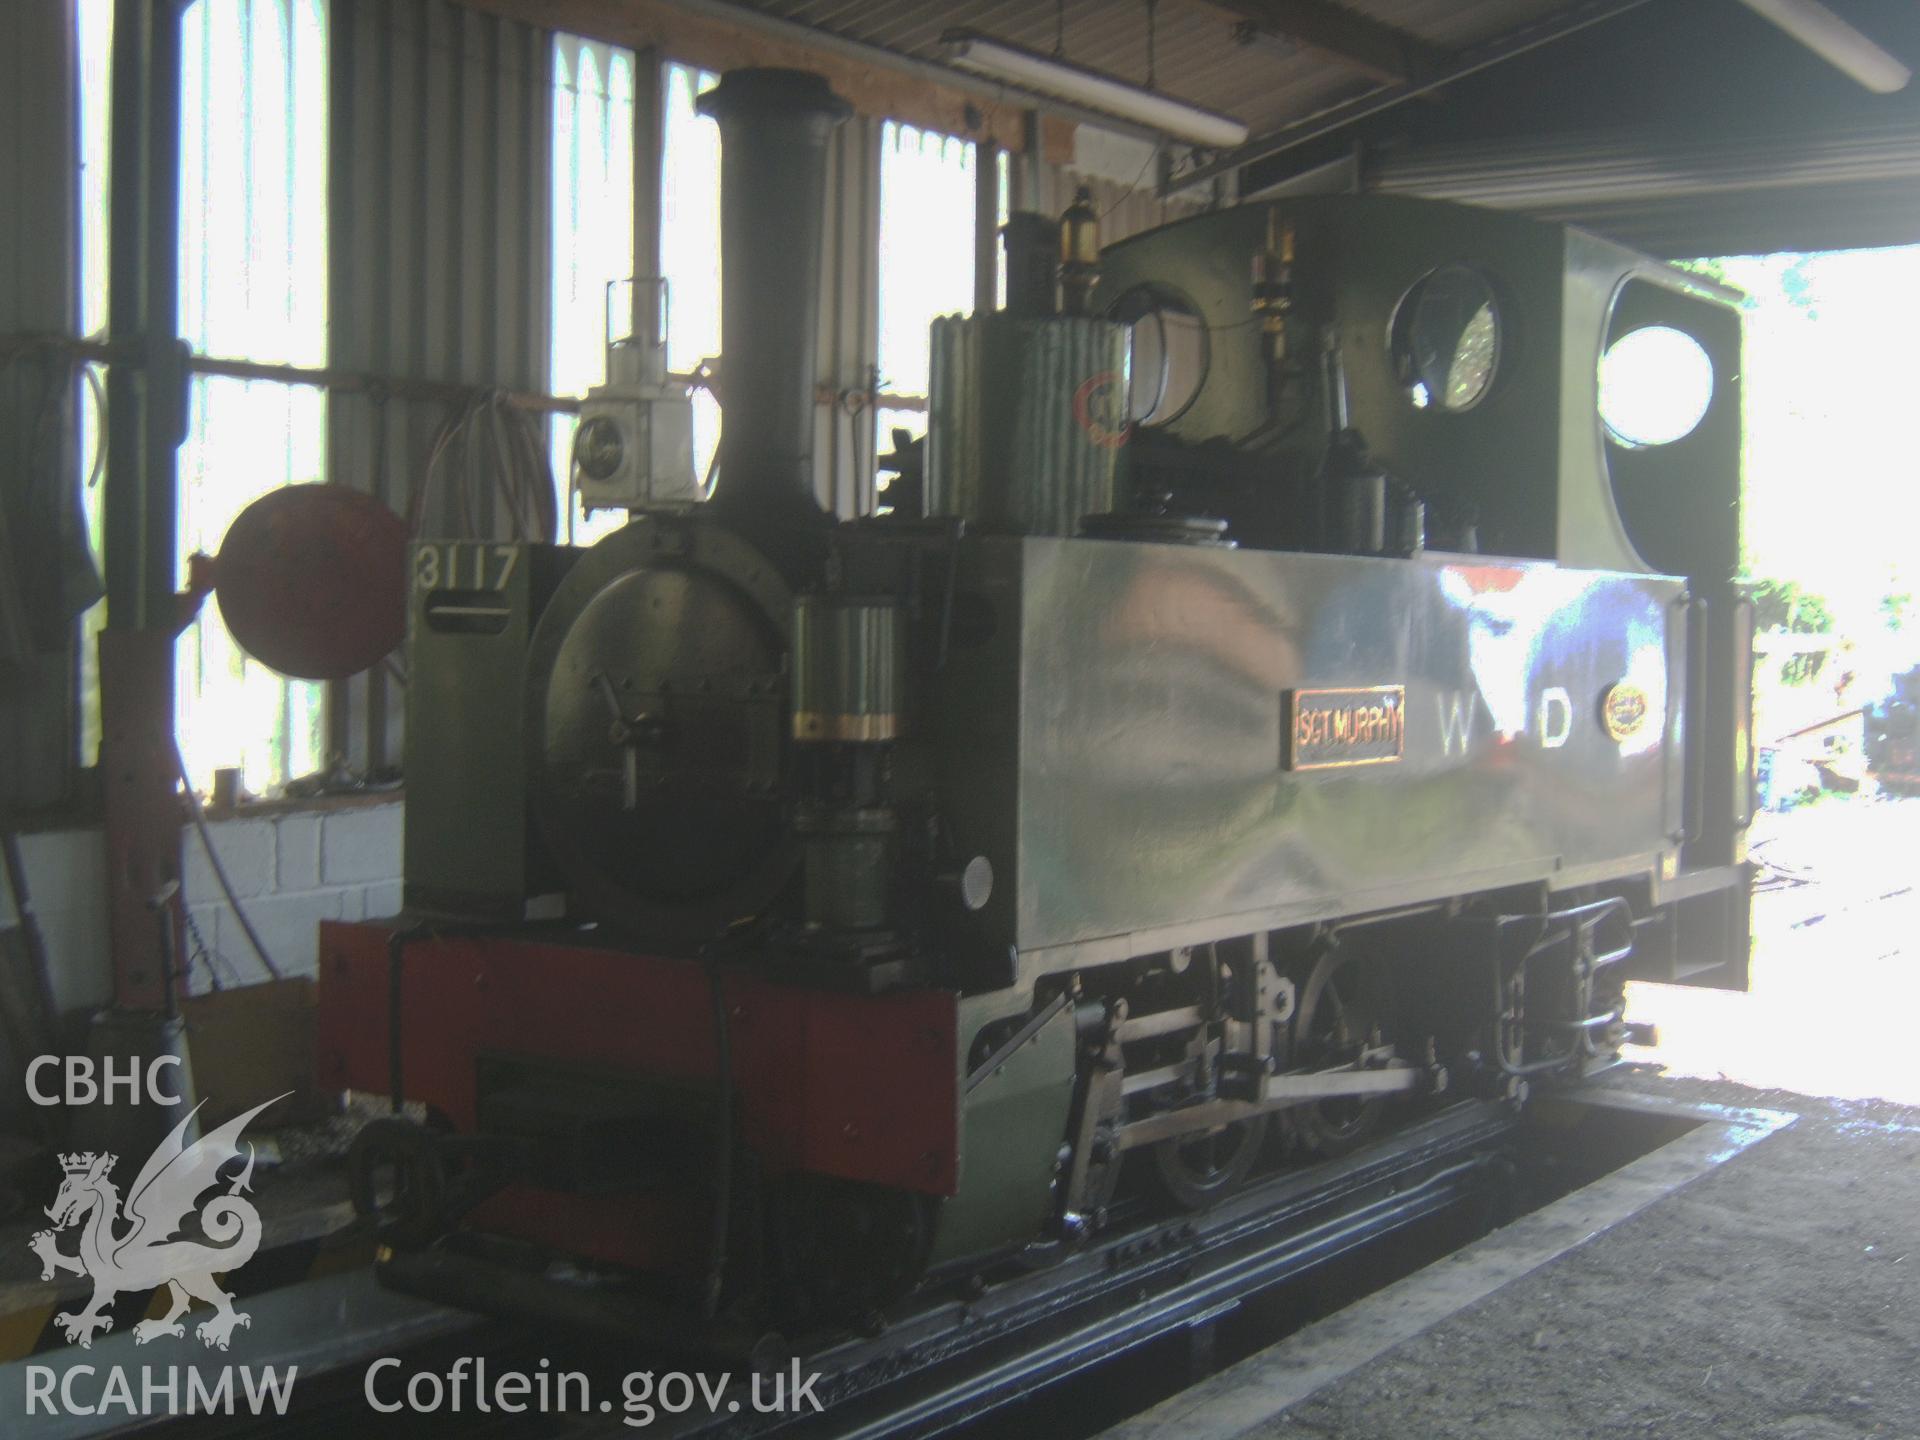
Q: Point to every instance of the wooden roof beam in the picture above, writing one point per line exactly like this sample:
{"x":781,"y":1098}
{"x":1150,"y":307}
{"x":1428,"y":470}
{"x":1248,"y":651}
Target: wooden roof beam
{"x":723,"y":34}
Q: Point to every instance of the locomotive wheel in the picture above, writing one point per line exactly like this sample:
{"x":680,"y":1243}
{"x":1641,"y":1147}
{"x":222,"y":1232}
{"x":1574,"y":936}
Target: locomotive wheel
{"x":848,"y":1250}
{"x":1339,"y":1012}
{"x":1199,"y":1170}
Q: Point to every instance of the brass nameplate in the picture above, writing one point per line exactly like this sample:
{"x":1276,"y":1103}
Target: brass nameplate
{"x":1329,"y":729}
{"x":1624,"y":710}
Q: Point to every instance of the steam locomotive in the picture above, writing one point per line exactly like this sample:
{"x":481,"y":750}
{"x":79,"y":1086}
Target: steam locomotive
{"x":1271,"y":701}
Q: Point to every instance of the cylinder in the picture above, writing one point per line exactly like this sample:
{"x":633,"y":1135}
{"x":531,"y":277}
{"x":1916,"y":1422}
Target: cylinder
{"x":847,"y":870}
{"x":848,"y":669}
{"x":774,"y":127}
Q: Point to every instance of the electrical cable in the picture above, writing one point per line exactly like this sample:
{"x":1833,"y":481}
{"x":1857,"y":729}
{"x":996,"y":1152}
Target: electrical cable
{"x":55,"y":413}
{"x":1127,"y":194}
{"x":202,"y":951}
{"x":521,"y":479}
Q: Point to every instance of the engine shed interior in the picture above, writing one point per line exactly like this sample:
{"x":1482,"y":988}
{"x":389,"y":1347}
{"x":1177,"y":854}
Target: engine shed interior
{"x":990,"y":701}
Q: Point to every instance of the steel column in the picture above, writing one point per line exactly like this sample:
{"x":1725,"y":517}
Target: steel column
{"x":146,"y":413}
{"x":986,"y":226}
{"x":649,"y":158}
{"x":146,"y":400}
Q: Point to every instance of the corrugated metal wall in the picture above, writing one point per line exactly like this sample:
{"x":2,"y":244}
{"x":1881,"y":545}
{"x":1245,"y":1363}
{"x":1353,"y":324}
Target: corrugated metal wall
{"x":441,"y":141}
{"x":439,"y":184}
{"x":38,"y":256}
{"x":1125,"y":208}
{"x":1128,"y":209}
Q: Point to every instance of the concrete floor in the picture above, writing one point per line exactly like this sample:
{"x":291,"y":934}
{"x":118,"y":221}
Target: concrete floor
{"x":1776,"y":1297}
{"x":1836,"y":920}
{"x":1772,"y":1299}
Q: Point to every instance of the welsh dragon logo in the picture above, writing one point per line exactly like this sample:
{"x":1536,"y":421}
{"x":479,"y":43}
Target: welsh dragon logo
{"x":140,"y":1249}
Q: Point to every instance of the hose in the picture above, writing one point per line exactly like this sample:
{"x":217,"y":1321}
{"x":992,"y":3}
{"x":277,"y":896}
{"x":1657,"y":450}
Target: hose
{"x":522,"y":479}
{"x":41,"y":1022}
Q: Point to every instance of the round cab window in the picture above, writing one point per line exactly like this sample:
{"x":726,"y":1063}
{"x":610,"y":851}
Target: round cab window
{"x":1167,"y":355}
{"x":1446,"y":339}
{"x":1655,"y":386}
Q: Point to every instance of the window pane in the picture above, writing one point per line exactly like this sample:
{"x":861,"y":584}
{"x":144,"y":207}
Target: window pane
{"x":592,"y":237}
{"x":1003,"y":164}
{"x":247,"y":437}
{"x":253,"y":181}
{"x":690,"y":244}
{"x":1655,"y":386}
{"x":913,"y":422}
{"x":253,"y":285}
{"x":926,"y":256}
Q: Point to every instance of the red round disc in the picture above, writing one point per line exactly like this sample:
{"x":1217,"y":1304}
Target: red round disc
{"x":312,"y":581}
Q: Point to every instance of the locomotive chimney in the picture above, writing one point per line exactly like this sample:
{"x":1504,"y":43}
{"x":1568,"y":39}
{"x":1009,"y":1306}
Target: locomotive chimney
{"x":774,"y":126}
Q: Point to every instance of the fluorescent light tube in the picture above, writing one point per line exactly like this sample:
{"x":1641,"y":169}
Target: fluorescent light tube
{"x":1836,"y":42}
{"x":984,"y":55}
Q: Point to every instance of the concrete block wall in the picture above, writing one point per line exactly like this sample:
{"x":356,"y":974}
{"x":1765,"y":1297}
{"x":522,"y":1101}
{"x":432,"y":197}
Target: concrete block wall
{"x":290,"y":871}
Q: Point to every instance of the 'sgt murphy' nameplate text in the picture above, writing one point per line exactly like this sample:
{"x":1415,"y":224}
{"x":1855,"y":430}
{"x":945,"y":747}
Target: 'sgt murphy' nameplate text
{"x":1326,"y":729}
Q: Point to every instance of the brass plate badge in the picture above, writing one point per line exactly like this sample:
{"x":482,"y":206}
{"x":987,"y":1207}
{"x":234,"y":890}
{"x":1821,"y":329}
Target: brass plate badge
{"x":1333,"y":729}
{"x":1623,"y":711}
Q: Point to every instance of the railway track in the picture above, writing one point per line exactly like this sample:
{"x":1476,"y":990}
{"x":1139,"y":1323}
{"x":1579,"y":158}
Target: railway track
{"x":952,"y":1357}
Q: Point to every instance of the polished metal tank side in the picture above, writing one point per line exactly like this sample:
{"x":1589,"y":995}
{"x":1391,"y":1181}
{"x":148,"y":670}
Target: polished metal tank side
{"x":1119,"y":744}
